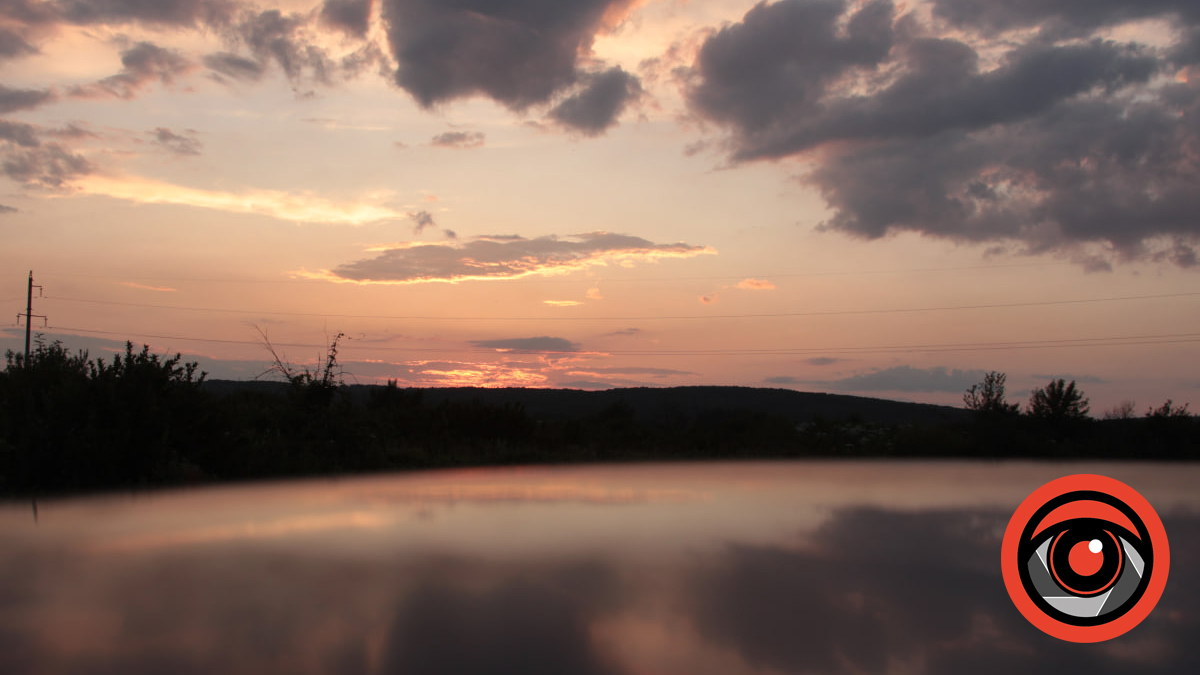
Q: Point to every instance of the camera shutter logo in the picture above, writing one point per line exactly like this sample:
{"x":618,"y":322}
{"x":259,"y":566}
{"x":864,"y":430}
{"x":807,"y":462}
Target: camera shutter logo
{"x":1085,"y":558}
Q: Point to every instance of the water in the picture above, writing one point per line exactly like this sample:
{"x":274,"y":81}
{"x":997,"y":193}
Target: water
{"x":696,"y":569}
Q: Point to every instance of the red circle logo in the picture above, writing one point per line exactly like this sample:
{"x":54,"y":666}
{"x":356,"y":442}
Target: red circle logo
{"x":1085,"y":558}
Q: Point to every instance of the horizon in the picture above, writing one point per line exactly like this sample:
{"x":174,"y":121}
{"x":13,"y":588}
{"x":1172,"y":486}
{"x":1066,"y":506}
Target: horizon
{"x":861,"y":198}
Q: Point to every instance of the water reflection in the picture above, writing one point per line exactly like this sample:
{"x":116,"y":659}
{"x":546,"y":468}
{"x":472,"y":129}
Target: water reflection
{"x":735,"y":568}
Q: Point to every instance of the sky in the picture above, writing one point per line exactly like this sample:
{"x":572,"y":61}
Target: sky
{"x":876,"y":198}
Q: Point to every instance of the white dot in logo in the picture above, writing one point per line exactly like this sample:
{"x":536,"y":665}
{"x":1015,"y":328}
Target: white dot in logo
{"x":1094,"y":546}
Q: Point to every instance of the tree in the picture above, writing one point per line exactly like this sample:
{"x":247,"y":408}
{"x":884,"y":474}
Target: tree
{"x":1058,"y":401}
{"x":988,"y":396}
{"x":1121,"y":411}
{"x":1169,"y":411}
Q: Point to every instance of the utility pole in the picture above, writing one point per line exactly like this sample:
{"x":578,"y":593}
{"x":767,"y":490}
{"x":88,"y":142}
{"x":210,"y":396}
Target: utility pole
{"x":29,"y":314}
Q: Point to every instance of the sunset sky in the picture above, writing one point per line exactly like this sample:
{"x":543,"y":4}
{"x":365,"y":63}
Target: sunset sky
{"x":877,"y":198}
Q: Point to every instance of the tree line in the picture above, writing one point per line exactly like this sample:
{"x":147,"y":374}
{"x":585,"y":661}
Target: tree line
{"x":136,"y":419}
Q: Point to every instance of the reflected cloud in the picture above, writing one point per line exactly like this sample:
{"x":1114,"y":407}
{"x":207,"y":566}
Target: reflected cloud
{"x":841,"y":588}
{"x":248,"y":530}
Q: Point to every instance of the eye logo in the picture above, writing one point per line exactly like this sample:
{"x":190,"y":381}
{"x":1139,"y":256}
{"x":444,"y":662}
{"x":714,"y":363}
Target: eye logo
{"x":1085,"y":558}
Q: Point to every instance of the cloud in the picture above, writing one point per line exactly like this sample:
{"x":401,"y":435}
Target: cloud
{"x":421,"y":220}
{"x":822,"y":361}
{"x":450,"y":234}
{"x":593,"y":294}
{"x":529,"y":345}
{"x":755,"y":285}
{"x":274,"y":203}
{"x":19,"y":133}
{"x":599,"y":102}
{"x":234,"y":66}
{"x":563,"y":303}
{"x":907,"y":378}
{"x":1081,"y":379}
{"x":458,"y":139}
{"x":350,"y":16}
{"x":783,"y":379}
{"x":163,"y":12}
{"x":177,"y":143}
{"x":629,"y":370}
{"x":1058,"y":15}
{"x":272,"y":35}
{"x":13,"y":45}
{"x":144,"y":287}
{"x":5,"y":209}
{"x":47,"y":165}
{"x":515,"y":52}
{"x":1074,"y":146}
{"x":141,"y":64}
{"x":513,"y":627}
{"x":625,"y":332}
{"x":12,"y":100}
{"x":503,"y":257}
{"x":709,"y":299}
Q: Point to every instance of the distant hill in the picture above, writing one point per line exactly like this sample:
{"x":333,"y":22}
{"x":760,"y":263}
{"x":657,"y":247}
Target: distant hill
{"x":655,"y":403}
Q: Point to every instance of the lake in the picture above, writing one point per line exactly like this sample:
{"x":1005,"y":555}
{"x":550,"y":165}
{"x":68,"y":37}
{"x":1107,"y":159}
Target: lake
{"x":696,"y":569}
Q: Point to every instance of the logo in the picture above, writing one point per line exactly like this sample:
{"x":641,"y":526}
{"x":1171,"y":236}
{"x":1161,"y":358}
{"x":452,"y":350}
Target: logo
{"x":1085,"y":558}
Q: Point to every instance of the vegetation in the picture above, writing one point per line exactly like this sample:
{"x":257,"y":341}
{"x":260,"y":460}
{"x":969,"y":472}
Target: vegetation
{"x":988,"y":396}
{"x":1058,"y":402}
{"x":70,"y":423}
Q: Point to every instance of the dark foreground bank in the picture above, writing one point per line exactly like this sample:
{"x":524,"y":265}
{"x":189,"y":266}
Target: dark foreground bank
{"x":68,"y":423}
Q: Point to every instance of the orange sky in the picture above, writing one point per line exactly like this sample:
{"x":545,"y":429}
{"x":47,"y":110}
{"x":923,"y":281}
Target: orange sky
{"x":488,"y":230}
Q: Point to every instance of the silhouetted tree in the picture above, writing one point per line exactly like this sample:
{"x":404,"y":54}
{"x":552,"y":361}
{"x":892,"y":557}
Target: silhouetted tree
{"x":988,"y":395}
{"x":1121,"y":411}
{"x":1058,"y":401}
{"x":1168,"y":411}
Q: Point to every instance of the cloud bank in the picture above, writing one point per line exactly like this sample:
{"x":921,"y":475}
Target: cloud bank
{"x":1065,"y":140}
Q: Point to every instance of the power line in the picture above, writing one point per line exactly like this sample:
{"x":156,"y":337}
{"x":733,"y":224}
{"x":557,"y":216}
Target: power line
{"x":836,"y":312}
{"x":1108,"y":341}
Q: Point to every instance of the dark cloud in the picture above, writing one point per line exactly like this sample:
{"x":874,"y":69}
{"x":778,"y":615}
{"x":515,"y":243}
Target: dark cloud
{"x":1059,"y":16}
{"x":907,"y":378}
{"x":775,"y":65}
{"x":13,"y":45}
{"x":514,"y":627}
{"x":180,"y":144}
{"x":584,"y":384}
{"x":74,"y":131}
{"x":458,"y":139}
{"x":851,"y":611}
{"x":141,"y":64}
{"x":274,"y":36}
{"x":421,"y":220}
{"x":19,"y":133}
{"x":633,"y":370}
{"x":234,"y":66}
{"x":500,"y":257}
{"x":822,"y":361}
{"x":532,"y":344}
{"x":783,"y":379}
{"x":165,"y":12}
{"x":22,"y":99}
{"x":1081,"y":379}
{"x":599,"y":103}
{"x":47,"y":165}
{"x":519,"y":53}
{"x":625,"y":332}
{"x":450,"y":234}
{"x":1058,"y":146}
{"x":4,"y":208}
{"x":350,"y":16}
